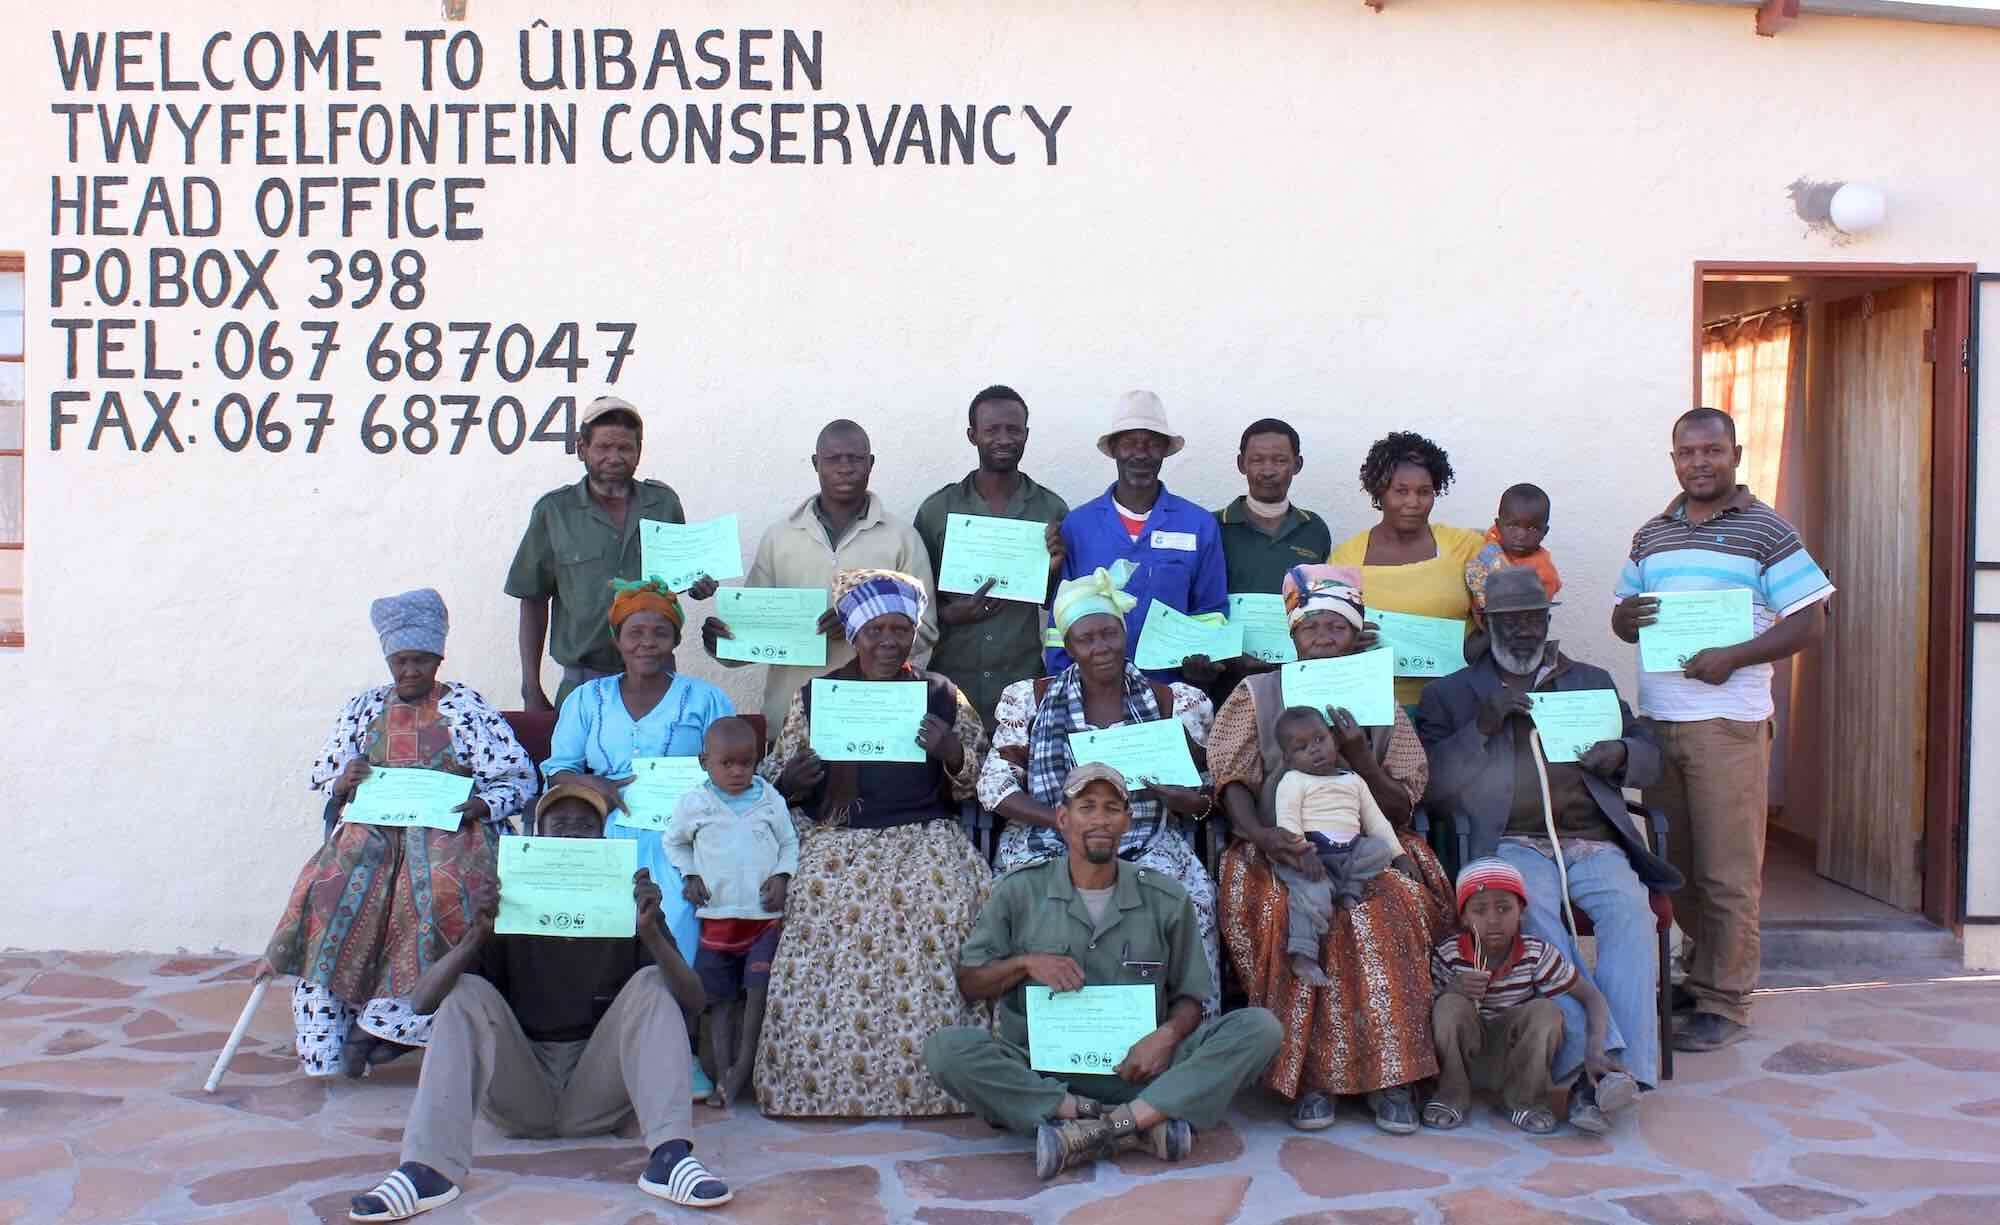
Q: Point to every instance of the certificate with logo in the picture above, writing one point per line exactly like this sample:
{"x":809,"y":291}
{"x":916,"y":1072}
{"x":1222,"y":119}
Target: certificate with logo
{"x":657,"y":785}
{"x":1424,"y":646}
{"x":1692,"y":621}
{"x":567,"y":887}
{"x":1571,"y":722}
{"x":1089,"y":1030}
{"x":1014,"y":553}
{"x":402,"y":796}
{"x":867,"y":720}
{"x":1267,"y":631}
{"x":1363,"y":684}
{"x":678,"y":554}
{"x":772,"y":625}
{"x":1168,"y":637}
{"x":1155,"y":751}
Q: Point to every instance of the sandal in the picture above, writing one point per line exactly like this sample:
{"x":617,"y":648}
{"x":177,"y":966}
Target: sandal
{"x":398,"y":1197}
{"x":1314,"y":1112}
{"x":1535,"y":1120}
{"x":357,"y":1053}
{"x":1442,"y":1116}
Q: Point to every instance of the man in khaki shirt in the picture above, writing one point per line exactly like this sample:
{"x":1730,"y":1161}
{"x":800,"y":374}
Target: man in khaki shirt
{"x":842,"y":527}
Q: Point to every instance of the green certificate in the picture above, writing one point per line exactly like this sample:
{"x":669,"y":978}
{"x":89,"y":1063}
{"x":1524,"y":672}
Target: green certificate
{"x":657,"y":785}
{"x":1692,"y":621}
{"x":405,"y":796}
{"x":567,"y":887}
{"x":867,"y":720}
{"x":1571,"y":722}
{"x":1012,"y":552}
{"x":1267,"y":631}
{"x":1152,"y":752}
{"x":1365,"y":684}
{"x":772,"y":625}
{"x":678,"y":554}
{"x":1424,"y":646}
{"x":1089,"y":1030}
{"x":1168,"y":637}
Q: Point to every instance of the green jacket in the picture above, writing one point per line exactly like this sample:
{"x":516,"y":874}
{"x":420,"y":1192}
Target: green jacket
{"x":569,"y":555}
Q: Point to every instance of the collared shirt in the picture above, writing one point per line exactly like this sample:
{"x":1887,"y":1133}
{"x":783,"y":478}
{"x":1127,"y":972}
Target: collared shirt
{"x":569,"y":555}
{"x":795,"y":552}
{"x":1179,"y":558}
{"x":1255,"y":562}
{"x":1148,"y":934}
{"x":1745,"y":544}
{"x":987,"y":656}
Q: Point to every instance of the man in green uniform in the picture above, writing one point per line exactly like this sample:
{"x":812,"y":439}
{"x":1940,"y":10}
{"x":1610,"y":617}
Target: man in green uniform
{"x":1092,"y":919}
{"x":984,"y":644}
{"x":579,"y":538}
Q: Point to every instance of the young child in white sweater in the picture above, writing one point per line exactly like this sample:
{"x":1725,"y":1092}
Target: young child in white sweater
{"x":1322,"y":802}
{"x":733,"y":842}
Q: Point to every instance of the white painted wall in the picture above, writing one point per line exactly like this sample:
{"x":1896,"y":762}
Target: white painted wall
{"x":1476,"y":220}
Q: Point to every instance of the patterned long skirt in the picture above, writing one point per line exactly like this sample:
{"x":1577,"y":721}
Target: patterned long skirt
{"x":375,"y":907}
{"x":1370,"y":1028}
{"x":866,"y":971}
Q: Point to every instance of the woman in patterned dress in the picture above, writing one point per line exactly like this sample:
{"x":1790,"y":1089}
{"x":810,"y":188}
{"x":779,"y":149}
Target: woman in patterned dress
{"x":1368,"y":1030}
{"x":887,"y":889}
{"x":376,"y":905}
{"x":1023,"y":776}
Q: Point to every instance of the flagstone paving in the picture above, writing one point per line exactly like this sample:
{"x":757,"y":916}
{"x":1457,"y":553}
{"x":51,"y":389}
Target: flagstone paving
{"x":1853,"y":1102}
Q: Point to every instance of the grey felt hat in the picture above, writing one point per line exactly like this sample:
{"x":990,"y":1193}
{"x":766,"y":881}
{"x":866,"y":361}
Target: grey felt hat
{"x":1515,"y":589}
{"x":413,"y":621}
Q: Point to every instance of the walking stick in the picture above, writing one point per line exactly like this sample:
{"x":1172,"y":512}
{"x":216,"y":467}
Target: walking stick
{"x":257,"y":990}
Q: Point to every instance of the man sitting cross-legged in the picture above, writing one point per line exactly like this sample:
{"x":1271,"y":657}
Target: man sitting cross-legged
{"x":1089,"y":918}
{"x":552,"y":1036}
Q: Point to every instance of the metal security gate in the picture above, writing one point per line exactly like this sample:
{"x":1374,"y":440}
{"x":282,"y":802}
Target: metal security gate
{"x":1980,"y":882}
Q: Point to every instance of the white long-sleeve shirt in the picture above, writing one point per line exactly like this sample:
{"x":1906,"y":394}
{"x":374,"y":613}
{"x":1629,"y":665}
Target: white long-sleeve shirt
{"x":733,"y":852}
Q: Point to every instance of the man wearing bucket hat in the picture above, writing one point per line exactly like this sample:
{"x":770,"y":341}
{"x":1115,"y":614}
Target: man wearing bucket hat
{"x":579,"y":538}
{"x":1477,"y":726}
{"x":1175,"y":545}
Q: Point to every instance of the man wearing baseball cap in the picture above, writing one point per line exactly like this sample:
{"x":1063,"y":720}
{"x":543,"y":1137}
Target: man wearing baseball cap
{"x":1175,"y":545}
{"x":1090,"y":920}
{"x":579,"y":538}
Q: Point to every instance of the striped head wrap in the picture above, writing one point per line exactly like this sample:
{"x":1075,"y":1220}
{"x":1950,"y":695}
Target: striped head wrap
{"x":1100,"y":591}
{"x":1316,"y":589}
{"x":646,"y":595}
{"x":1490,"y":873}
{"x":860,"y":596}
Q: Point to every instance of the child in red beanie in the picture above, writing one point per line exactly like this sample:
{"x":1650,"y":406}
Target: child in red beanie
{"x":1495,"y":1021}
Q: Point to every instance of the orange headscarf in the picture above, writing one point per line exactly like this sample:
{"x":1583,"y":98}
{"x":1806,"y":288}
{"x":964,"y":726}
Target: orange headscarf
{"x":649,"y":595}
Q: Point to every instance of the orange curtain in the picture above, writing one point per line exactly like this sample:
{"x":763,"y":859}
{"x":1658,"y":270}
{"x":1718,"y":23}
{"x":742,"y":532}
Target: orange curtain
{"x":1747,"y":371}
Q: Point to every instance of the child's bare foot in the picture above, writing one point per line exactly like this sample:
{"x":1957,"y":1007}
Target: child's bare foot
{"x":1307,"y":971}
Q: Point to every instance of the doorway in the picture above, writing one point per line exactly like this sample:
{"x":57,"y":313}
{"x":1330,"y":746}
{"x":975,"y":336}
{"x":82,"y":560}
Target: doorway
{"x":1847,"y":385}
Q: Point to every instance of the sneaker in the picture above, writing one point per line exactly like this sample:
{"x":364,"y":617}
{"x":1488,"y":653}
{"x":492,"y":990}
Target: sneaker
{"x":1395,"y":1110}
{"x":1067,"y":1143}
{"x":675,"y":1176}
{"x":1170,"y":1140}
{"x":1586,"y":1114}
{"x":1314,"y":1111}
{"x":1706,"y":1031}
{"x":1615,"y":1091}
{"x":410,"y":1188}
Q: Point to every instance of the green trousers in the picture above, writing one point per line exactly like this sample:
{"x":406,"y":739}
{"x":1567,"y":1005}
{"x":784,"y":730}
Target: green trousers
{"x":991,"y":1074}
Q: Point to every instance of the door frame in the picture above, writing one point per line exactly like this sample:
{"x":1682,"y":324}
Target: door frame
{"x":1950,"y":655}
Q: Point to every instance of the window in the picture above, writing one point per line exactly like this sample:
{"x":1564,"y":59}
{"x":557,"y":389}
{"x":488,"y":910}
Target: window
{"x":13,"y":390}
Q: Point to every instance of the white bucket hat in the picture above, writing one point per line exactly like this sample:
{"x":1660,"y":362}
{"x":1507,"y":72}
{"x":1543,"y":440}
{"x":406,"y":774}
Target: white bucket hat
{"x":1140,"y":410}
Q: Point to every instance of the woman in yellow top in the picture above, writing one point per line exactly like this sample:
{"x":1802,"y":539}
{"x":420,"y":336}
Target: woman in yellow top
{"x":1409,"y":564}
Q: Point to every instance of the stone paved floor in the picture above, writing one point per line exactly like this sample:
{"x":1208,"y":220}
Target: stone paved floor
{"x":1858,"y":1103}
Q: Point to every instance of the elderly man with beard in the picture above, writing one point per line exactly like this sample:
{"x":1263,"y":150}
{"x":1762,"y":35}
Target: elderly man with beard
{"x":1090,"y":919}
{"x":1476,"y":726}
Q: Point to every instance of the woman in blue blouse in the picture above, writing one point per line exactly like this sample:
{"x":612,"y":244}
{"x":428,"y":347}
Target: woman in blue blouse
{"x":648,"y":710}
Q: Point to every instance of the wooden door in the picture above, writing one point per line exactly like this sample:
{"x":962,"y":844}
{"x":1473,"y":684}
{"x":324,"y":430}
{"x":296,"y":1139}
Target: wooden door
{"x":1873,"y":409}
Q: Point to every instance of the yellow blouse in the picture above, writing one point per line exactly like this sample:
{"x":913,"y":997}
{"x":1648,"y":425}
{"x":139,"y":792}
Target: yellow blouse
{"x":1433,"y":588}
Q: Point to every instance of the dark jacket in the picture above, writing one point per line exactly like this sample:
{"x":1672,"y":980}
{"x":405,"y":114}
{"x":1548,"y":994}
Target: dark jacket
{"x":1472,"y":777}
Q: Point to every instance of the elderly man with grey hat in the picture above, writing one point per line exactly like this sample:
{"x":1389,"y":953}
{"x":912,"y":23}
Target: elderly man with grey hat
{"x":1573,"y":832}
{"x":1175,"y":545}
{"x":377,"y":903}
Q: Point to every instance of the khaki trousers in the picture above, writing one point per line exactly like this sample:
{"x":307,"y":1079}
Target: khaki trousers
{"x":1510,"y":1051}
{"x":1713,"y":789}
{"x":478,"y":1059}
{"x":992,"y":1076}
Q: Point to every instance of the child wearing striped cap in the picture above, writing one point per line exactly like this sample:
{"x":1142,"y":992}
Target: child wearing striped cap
{"x":1495,"y":1021}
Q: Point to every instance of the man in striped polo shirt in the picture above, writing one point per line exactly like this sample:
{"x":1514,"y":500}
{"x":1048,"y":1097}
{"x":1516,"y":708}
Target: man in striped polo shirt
{"x":1713,"y":718}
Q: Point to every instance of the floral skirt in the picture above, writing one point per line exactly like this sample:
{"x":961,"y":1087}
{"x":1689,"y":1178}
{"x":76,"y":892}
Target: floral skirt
{"x":1370,"y":1028}
{"x":374,"y":907}
{"x":867,"y":970}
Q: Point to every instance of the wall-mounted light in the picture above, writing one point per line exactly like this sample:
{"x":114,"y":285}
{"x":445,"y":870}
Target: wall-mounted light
{"x":1857,"y":208}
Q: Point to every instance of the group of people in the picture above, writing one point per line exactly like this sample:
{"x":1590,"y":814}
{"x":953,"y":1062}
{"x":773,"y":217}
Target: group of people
{"x":840,"y":944}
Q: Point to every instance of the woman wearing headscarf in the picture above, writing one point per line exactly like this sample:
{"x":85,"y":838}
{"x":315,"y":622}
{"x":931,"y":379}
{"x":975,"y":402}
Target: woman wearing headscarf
{"x":375,"y":906}
{"x":1022,"y":778}
{"x":1367,"y":1030}
{"x":648,"y":710}
{"x":887,"y":890}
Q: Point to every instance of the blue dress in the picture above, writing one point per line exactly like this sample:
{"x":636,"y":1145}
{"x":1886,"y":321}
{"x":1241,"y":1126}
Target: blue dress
{"x":596,"y":735}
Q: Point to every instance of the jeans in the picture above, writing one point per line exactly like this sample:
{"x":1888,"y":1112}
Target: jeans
{"x":1603,"y":886}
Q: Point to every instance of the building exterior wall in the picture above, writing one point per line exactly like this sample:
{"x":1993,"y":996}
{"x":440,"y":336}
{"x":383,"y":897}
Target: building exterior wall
{"x":1470,"y":219}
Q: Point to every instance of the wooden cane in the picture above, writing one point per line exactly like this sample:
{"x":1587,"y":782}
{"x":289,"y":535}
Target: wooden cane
{"x":257,"y":990}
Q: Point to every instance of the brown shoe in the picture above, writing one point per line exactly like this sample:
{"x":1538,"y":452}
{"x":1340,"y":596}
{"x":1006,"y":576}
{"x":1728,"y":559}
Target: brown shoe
{"x":1068,"y":1143}
{"x":1170,"y":1140}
